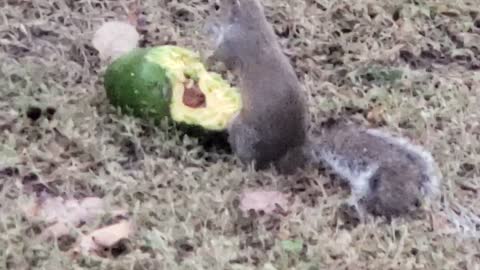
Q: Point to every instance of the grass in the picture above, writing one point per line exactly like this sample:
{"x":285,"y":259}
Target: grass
{"x":418,"y":60}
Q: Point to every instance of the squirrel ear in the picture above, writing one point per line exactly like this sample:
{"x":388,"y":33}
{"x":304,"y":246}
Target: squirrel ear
{"x":233,"y":6}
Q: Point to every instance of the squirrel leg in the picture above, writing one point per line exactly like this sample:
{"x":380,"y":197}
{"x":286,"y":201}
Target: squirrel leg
{"x":242,"y":139}
{"x":296,"y":158}
{"x":355,"y":202}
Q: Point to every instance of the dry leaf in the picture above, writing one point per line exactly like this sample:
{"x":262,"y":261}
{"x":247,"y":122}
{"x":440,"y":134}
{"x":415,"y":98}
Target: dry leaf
{"x":56,"y":231}
{"x":283,"y":234}
{"x":266,"y":201}
{"x":57,"y":209}
{"x":376,"y":115}
{"x":448,"y":11}
{"x":63,"y":214}
{"x":439,"y":222}
{"x":114,"y":39}
{"x":105,"y":237}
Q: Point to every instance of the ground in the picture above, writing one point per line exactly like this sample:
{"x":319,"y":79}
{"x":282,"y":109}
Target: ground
{"x":410,"y":67}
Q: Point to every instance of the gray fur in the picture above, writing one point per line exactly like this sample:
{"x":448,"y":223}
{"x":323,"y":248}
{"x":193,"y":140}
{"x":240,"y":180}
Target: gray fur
{"x":389,"y":175}
{"x":271,"y":126}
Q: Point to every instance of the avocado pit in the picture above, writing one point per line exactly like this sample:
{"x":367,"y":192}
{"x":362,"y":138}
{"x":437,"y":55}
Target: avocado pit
{"x":193,"y":96}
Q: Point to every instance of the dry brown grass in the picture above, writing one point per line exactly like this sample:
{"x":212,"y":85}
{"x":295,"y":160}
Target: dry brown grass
{"x":420,"y":64}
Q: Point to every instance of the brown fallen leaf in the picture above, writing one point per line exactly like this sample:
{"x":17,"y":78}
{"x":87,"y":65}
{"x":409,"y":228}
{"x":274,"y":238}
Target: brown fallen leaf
{"x":261,"y":200}
{"x":438,"y":222}
{"x":376,"y":115}
{"x":447,"y":11}
{"x":57,"y":209}
{"x":106,"y":237}
{"x":56,"y":231}
{"x":114,"y":39}
{"x":63,"y":215}
{"x":283,"y":234}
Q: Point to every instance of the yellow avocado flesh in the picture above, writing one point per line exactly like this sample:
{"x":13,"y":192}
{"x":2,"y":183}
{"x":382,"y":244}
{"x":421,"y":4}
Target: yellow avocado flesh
{"x":223,"y":101}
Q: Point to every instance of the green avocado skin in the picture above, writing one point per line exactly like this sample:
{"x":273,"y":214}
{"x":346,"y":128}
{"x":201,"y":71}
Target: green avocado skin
{"x":138,"y":87}
{"x":141,"y":88}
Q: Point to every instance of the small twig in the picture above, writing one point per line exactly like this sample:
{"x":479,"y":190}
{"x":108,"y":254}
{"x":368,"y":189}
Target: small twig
{"x":468,"y":187}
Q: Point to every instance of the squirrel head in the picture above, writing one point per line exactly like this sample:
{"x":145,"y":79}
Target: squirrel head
{"x":234,"y":11}
{"x":238,"y":30}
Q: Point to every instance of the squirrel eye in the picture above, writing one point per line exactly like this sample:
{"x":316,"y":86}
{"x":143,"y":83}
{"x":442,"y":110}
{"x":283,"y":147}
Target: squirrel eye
{"x":216,"y":6}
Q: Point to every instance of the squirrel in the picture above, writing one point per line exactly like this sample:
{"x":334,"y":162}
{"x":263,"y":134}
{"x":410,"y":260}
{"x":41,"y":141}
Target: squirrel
{"x":389,"y":176}
{"x":270,"y":129}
